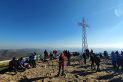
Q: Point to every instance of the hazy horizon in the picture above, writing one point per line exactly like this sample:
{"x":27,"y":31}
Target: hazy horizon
{"x":96,"y":50}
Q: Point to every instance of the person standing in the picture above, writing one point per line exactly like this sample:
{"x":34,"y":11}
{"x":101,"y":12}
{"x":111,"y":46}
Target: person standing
{"x":119,"y":61}
{"x":114,"y":60}
{"x":55,"y":53}
{"x":92,"y":60}
{"x":68,"y":57}
{"x":97,"y":62}
{"x":61,"y":64}
{"x":51,"y":56}
{"x":45,"y":55}
{"x":32,"y":60}
{"x":84,"y":57}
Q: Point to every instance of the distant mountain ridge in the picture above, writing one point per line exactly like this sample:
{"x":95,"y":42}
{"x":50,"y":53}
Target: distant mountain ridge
{"x":6,"y":54}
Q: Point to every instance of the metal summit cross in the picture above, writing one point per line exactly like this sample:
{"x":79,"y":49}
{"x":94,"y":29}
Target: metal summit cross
{"x":84,"y":35}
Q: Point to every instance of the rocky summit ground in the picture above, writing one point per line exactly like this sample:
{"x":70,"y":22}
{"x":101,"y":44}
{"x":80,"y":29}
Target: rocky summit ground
{"x":74,"y":73}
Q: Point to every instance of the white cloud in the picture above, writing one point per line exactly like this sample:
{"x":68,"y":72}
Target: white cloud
{"x":118,"y":11}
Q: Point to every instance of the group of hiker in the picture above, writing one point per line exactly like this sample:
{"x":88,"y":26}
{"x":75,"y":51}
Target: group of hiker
{"x":61,"y":59}
{"x":21,"y":63}
{"x":94,"y":60}
{"x":117,"y":59}
{"x":53,"y":55}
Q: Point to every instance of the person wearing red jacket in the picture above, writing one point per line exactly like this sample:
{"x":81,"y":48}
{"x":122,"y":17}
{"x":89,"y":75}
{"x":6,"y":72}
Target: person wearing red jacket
{"x":61,"y":64}
{"x":55,"y":53}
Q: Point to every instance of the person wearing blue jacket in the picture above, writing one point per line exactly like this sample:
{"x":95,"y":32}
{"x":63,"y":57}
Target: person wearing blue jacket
{"x":21,"y":64}
{"x":32,"y":60}
{"x":114,"y":58}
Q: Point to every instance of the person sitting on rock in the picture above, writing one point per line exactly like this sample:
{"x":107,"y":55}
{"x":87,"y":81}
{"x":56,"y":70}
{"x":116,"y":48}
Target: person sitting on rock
{"x":61,"y":64}
{"x":13,"y":65}
{"x":21,"y":64}
{"x":27,"y":63}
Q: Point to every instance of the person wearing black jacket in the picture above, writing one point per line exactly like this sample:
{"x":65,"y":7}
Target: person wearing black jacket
{"x":97,"y":62}
{"x":68,"y":57}
{"x":84,"y":57}
{"x":92,"y":60}
{"x":13,"y":65}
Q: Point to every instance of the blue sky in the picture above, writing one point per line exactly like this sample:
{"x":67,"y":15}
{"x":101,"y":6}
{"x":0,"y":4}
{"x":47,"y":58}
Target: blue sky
{"x":53,"y":23}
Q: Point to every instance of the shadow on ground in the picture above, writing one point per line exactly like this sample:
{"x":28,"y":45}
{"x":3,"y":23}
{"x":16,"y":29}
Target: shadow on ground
{"x":111,"y":70}
{"x":116,"y":80}
{"x":86,"y":66}
{"x":106,"y":77}
{"x":81,"y":73}
{"x":107,"y":69}
{"x":25,"y":79}
{"x":4,"y":70}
